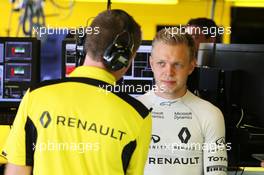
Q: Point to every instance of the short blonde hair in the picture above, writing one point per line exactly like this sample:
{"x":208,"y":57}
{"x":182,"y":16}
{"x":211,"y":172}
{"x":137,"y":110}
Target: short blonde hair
{"x":172,"y":36}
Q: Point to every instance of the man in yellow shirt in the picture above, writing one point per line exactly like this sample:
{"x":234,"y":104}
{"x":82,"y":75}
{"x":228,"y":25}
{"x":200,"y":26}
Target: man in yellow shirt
{"x":80,"y":125}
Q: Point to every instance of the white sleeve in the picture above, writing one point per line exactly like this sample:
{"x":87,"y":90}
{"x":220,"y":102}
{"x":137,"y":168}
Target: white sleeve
{"x":214,"y":154}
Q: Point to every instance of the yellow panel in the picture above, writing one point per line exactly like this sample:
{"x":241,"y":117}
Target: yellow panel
{"x":135,"y":1}
{"x":247,"y":3}
{"x":147,"y":15}
{"x":255,"y":169}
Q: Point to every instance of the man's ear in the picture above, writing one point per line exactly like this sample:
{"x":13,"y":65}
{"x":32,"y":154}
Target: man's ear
{"x":193,"y":64}
{"x":151,"y":62}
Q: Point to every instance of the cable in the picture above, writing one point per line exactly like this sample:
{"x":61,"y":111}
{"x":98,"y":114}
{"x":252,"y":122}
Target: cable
{"x":72,"y":3}
{"x":237,"y":170}
{"x":10,"y":19}
{"x":28,"y":15}
{"x":253,"y":127}
{"x":238,"y":159}
{"x":222,"y":12}
{"x":242,"y":171}
{"x":109,"y":3}
{"x":33,"y":11}
{"x":213,"y":9}
{"x":68,"y":15}
{"x":69,"y":7}
{"x":88,"y":20}
{"x":241,"y":118}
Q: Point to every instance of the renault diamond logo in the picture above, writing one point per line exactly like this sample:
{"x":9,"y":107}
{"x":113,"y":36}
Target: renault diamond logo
{"x":45,"y":119}
{"x":184,"y":135}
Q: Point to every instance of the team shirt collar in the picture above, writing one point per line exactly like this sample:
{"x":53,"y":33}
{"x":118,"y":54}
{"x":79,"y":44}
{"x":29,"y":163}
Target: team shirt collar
{"x":94,"y":72}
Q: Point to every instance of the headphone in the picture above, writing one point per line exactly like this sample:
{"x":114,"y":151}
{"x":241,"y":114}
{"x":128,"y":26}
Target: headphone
{"x":117,"y":55}
{"x":80,"y":40}
{"x":80,"y":52}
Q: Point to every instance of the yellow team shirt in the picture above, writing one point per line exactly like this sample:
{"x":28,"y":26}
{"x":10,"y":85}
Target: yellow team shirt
{"x":77,"y":126}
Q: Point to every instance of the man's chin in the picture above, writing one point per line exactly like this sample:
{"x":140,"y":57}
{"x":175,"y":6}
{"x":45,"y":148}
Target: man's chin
{"x":169,"y":91}
{"x":166,"y":89}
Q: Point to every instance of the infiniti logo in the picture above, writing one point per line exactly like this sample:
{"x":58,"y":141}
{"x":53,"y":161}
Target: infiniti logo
{"x":155,"y":138}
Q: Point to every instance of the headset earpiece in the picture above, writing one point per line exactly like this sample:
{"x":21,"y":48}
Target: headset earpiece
{"x":116,"y":55}
{"x":80,"y":52}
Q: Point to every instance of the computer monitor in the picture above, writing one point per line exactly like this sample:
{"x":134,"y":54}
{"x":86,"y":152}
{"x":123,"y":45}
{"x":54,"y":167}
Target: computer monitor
{"x":69,"y":58}
{"x":136,"y":81}
{"x":50,"y":57}
{"x":140,"y":76}
{"x":242,"y":84}
{"x":19,"y":68}
{"x":248,"y":59}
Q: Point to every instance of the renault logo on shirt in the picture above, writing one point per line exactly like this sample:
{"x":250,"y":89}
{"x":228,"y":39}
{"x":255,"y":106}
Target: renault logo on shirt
{"x":45,"y":119}
{"x":184,"y":135}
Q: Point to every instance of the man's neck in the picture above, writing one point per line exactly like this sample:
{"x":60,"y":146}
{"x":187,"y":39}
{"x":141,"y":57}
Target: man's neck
{"x":91,"y":62}
{"x":171,"y":95}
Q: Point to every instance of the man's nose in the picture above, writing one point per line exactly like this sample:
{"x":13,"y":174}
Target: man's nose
{"x":170,"y":70}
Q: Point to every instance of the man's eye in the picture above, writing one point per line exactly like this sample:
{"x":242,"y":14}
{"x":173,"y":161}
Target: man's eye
{"x":161,"y":63}
{"x":178,"y":65}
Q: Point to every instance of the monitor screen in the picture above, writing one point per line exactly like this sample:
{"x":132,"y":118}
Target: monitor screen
{"x":68,"y":56}
{"x":248,"y":59}
{"x":18,"y":51}
{"x":137,"y":80}
{"x":139,"y":75}
{"x":50,"y":57}
{"x":19,"y":68}
{"x":140,"y":65}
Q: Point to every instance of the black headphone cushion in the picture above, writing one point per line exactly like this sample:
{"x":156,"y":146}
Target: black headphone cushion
{"x":116,"y":57}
